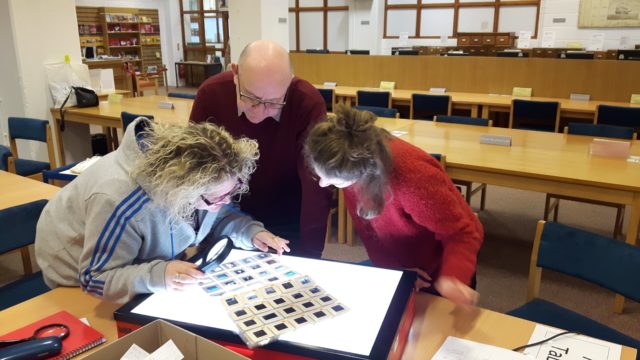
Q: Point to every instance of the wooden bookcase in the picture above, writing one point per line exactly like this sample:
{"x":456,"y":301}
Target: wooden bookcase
{"x":131,"y":34}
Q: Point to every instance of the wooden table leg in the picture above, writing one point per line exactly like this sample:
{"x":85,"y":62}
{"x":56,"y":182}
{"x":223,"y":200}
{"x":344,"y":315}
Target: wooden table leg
{"x":632,"y":236}
{"x":342,"y":217}
{"x":485,"y":112}
{"x":474,"y":110}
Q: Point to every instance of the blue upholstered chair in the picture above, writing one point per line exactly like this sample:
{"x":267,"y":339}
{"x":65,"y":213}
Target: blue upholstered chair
{"x":619,"y":116}
{"x":464,"y":120}
{"x":18,"y":232}
{"x":425,"y":106}
{"x":534,"y":115}
{"x":373,"y":98}
{"x":469,"y":189}
{"x":329,"y":96}
{"x":182,"y":95}
{"x":606,"y":262}
{"x":552,"y":202}
{"x":127,"y":118}
{"x":380,"y":111}
{"x":56,"y":174}
{"x":30,"y":130}
{"x":317,"y":51}
{"x":601,"y":130}
{"x":5,"y":153}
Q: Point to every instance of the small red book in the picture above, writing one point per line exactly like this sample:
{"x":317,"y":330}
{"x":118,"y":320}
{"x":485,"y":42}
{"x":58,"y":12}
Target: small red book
{"x":82,"y":337}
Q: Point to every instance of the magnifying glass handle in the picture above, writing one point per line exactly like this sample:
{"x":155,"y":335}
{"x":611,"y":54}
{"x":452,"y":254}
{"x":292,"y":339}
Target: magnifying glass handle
{"x":33,"y":349}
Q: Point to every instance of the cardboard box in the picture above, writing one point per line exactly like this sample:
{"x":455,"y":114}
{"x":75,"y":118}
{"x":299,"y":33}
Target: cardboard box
{"x":155,"y":334}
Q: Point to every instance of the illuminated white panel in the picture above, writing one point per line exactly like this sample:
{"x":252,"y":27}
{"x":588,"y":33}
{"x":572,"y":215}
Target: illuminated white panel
{"x":366,"y":291}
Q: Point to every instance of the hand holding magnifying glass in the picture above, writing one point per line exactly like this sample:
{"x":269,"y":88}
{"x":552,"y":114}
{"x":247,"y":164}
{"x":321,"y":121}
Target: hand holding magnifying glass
{"x":181,"y":274}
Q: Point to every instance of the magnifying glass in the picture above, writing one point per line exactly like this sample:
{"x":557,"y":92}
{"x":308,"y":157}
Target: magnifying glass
{"x":45,"y":342}
{"x":212,"y":254}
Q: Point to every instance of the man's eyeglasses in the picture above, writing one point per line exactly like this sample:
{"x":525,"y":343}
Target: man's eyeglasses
{"x":220,"y":199}
{"x":254,"y":101}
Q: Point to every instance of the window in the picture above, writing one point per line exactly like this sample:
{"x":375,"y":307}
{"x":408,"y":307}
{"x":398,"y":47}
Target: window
{"x":326,"y":25}
{"x":205,"y":28}
{"x":436,"y":18}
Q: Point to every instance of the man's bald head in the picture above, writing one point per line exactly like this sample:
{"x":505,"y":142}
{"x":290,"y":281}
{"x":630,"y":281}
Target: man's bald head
{"x":263,"y":72}
{"x":266,"y":55}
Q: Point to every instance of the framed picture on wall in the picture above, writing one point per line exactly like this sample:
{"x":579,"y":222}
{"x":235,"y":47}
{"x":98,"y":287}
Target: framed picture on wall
{"x":609,"y":13}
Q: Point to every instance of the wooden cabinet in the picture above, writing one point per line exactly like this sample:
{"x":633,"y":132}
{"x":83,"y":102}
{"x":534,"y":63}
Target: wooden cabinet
{"x":497,"y":39}
{"x":549,"y":52}
{"x":484,"y":43}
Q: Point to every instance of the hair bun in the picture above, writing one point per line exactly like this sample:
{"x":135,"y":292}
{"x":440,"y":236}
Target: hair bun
{"x":352,"y":120}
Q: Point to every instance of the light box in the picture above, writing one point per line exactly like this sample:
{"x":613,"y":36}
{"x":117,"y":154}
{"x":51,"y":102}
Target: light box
{"x":380,"y":303}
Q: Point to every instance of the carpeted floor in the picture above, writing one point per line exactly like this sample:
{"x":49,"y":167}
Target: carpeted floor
{"x":510,"y":220}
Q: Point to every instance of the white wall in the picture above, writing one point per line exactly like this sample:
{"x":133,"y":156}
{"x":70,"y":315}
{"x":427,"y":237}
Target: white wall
{"x":43,"y":31}
{"x":10,"y":96}
{"x":271,"y":13}
{"x":251,"y":20}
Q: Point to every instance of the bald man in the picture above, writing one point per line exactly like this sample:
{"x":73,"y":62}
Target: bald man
{"x":261,"y":99}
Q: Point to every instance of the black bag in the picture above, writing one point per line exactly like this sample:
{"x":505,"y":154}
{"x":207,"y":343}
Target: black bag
{"x":84,"y":98}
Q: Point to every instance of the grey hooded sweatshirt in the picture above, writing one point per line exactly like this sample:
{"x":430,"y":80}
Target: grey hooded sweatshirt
{"x":104,"y":233}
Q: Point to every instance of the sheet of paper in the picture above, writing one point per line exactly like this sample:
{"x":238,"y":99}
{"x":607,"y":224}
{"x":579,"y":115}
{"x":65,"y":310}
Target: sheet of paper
{"x":624,"y":43}
{"x":135,"y":352}
{"x":570,"y":346}
{"x":596,"y":43}
{"x":524,"y":39}
{"x":444,"y":40}
{"x":403,"y":39}
{"x":168,"y":351}
{"x":460,"y":349}
{"x":548,"y":39}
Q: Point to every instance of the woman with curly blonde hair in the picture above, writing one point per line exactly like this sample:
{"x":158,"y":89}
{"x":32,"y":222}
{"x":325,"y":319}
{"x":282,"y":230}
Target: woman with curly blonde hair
{"x":404,"y":207}
{"x":121,"y":228}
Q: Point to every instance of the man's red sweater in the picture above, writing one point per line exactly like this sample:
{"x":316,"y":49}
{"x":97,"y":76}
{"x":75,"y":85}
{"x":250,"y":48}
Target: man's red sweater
{"x":282,"y":191}
{"x":425,"y":222}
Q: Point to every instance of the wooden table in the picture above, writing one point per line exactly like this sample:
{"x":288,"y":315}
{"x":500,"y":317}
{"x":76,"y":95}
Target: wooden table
{"x":18,"y":190}
{"x":484,"y":103}
{"x":537,"y":161}
{"x":107,"y":115}
{"x":435,"y":319}
{"x":105,"y":95}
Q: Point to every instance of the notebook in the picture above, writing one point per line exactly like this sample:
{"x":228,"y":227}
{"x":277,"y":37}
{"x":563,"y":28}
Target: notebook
{"x":82,"y":337}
